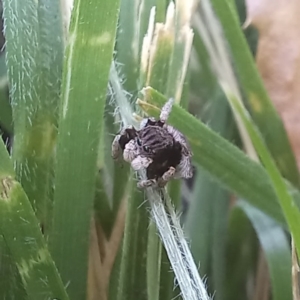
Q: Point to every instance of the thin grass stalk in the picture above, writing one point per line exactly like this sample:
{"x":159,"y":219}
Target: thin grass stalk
{"x":169,"y":228}
{"x":84,"y":89}
{"x":168,"y":225}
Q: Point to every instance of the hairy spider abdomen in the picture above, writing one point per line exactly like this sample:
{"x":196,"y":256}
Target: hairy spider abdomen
{"x":163,"y":160}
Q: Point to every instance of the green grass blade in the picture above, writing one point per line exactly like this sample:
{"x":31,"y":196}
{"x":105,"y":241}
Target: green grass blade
{"x":222,"y":160}
{"x":34,"y":54}
{"x":258,"y":99}
{"x":6,"y":166}
{"x":289,"y":209}
{"x":21,"y":232}
{"x":11,"y":286}
{"x":208,"y":209}
{"x":127,"y":45}
{"x":85,"y":80}
{"x":276,"y":249}
{"x":241,"y":255}
{"x":5,"y":111}
{"x":154,"y":263}
{"x":133,"y":273}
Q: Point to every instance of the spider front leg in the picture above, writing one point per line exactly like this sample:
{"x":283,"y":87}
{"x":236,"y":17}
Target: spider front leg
{"x":130,"y":151}
{"x":166,"y":110}
{"x":166,"y":177}
{"x":141,"y":162}
{"x":121,"y":140}
{"x":115,"y":147}
{"x":161,"y":182}
{"x":184,"y":169}
{"x":142,"y":184}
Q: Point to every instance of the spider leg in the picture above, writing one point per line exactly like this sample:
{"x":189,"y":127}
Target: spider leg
{"x":115,"y":147}
{"x":130,"y":151}
{"x":166,"y":177}
{"x":146,"y":183}
{"x":166,"y":109}
{"x":140,"y":162}
{"x":184,"y":169}
{"x":121,"y":140}
{"x":179,"y":137}
{"x":161,"y":182}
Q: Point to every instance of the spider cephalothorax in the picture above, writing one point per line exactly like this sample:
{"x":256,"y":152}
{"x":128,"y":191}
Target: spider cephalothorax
{"x":157,"y":147}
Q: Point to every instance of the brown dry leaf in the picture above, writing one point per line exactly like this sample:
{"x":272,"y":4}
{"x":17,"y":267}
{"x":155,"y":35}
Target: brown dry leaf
{"x":278,"y":58}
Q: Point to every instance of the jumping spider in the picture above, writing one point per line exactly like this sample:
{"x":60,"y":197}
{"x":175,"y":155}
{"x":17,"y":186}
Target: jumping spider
{"x":157,"y":147}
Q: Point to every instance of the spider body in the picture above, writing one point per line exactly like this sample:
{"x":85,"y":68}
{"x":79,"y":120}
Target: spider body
{"x":157,"y":147}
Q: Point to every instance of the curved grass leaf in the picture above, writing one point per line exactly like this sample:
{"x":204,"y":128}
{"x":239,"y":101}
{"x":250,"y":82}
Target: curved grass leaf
{"x":276,"y":249}
{"x":21,"y":233}
{"x":258,"y":99}
{"x":289,"y":208}
{"x":225,"y":162}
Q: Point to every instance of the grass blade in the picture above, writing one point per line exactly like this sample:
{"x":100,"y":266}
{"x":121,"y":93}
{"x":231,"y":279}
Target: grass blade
{"x":219,"y":157}
{"x":276,"y":248}
{"x":22,"y":234}
{"x":34,"y":54}
{"x":289,"y":209}
{"x":11,"y":285}
{"x":5,"y":112}
{"x":258,"y":99}
{"x":133,"y":274}
{"x":85,"y":80}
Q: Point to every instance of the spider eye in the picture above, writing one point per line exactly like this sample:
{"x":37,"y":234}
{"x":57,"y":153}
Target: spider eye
{"x":138,"y":141}
{"x":146,"y":149}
